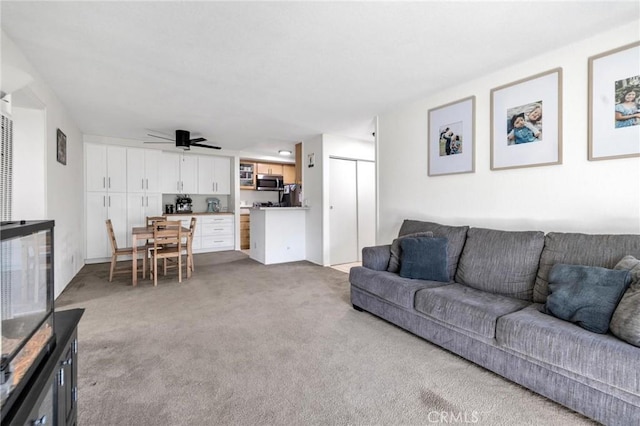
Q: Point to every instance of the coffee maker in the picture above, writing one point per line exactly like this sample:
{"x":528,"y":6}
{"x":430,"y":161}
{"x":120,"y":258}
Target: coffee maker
{"x":183,"y":204}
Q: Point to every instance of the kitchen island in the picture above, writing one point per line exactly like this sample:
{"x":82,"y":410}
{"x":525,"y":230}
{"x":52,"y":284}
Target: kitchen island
{"x":278,"y":234}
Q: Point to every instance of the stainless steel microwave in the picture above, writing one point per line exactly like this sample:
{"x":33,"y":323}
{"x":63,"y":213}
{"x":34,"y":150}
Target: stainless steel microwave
{"x":269,"y":183}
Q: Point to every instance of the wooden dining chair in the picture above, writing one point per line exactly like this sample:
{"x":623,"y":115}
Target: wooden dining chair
{"x":120,"y":251}
{"x":167,"y":243}
{"x":189,"y":249}
{"x":149,"y":244}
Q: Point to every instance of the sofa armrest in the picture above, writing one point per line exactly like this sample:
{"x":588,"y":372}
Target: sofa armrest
{"x":376,"y":257}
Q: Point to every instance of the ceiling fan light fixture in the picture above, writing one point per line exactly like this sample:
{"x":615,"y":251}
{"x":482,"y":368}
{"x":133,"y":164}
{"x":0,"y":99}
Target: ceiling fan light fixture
{"x":284,"y":152}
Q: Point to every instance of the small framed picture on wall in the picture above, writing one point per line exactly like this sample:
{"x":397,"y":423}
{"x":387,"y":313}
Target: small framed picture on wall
{"x":61,"y":139}
{"x":451,"y":147}
{"x":614,"y":103}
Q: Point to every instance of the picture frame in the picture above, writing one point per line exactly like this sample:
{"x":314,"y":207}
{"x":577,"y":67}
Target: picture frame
{"x":451,"y":138}
{"x":311,"y":160}
{"x":61,"y":147}
{"x":518,"y":137}
{"x":614,"y":132}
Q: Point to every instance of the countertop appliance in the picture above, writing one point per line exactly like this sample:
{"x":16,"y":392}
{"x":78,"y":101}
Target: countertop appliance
{"x":269,"y":183}
{"x":213,"y":205}
{"x":183,"y":204}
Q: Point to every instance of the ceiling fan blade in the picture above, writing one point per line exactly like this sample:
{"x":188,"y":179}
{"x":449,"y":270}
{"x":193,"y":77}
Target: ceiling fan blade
{"x":196,"y":140}
{"x":158,"y":142}
{"x":160,"y":137}
{"x":206,"y":146}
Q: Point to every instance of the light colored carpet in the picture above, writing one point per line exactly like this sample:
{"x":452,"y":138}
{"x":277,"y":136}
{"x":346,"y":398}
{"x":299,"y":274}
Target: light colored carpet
{"x":241,"y":343}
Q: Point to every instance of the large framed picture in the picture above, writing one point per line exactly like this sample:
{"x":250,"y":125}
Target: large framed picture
{"x":614,"y":103}
{"x":520,"y":136}
{"x":451,"y":147}
{"x":61,"y":147}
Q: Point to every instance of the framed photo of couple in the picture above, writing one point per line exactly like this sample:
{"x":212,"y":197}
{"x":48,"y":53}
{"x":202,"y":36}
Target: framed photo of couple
{"x":518,"y":137}
{"x":614,"y":108}
{"x":451,"y":147}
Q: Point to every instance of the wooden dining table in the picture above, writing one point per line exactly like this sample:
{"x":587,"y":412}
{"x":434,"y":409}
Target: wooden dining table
{"x":144,"y":233}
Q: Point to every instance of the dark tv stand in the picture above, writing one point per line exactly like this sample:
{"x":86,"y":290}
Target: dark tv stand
{"x":50,"y":397}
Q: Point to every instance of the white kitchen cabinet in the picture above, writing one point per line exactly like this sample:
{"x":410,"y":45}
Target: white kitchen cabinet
{"x":139,"y":206}
{"x":143,"y":170}
{"x":214,"y":175}
{"x":101,"y":206}
{"x":105,"y":168}
{"x":217,"y":233}
{"x":178,"y":173}
{"x":213,"y":232}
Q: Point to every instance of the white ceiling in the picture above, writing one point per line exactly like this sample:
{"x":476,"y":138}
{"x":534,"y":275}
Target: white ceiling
{"x":261,"y":76}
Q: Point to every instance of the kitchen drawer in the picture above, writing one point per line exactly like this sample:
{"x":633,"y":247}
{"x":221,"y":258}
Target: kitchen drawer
{"x":217,"y":219}
{"x":217,"y":229}
{"x":216,"y":242}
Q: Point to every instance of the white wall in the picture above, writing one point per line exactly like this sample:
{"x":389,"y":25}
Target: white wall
{"x":63,"y":184}
{"x":29,"y":191}
{"x":576,"y":196}
{"x":315,"y":186}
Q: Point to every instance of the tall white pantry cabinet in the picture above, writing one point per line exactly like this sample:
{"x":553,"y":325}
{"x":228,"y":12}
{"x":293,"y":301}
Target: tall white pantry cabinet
{"x":106,"y":197}
{"x":144,"y":197}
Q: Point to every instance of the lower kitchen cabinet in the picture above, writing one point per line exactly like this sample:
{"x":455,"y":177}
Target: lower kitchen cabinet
{"x":51,"y":396}
{"x":214,"y":232}
{"x":245,"y":229}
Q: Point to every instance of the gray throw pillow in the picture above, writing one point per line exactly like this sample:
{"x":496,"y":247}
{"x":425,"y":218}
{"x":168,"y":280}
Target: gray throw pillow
{"x":424,"y":258}
{"x":396,"y":250}
{"x":585,"y":295}
{"x":625,"y":322}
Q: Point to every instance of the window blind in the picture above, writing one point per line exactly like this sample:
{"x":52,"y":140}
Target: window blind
{"x":6,"y":169}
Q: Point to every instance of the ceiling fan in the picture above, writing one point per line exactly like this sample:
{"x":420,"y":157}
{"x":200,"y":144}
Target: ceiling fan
{"x":183,"y":140}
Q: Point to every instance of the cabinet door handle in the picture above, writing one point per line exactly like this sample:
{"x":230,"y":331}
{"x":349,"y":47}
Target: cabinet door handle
{"x":147,"y":180}
{"x":109,"y":183}
{"x":61,"y":377}
{"x":178,"y":186}
{"x":142,"y":201}
{"x":147,"y":201}
{"x":104,"y":201}
{"x":109,"y":200}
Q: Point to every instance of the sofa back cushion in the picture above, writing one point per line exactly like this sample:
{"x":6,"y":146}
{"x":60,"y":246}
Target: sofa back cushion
{"x":501,"y":262}
{"x":455,"y":236}
{"x":604,"y":251}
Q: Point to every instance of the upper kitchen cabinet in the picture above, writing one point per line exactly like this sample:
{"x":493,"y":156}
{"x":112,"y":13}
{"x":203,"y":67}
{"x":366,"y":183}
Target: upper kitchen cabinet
{"x":105,"y":168}
{"x":269,"y":169}
{"x":214,"y":175}
{"x":143,"y":170}
{"x":247,"y":175}
{"x":179,"y":173}
{"x":289,"y":173}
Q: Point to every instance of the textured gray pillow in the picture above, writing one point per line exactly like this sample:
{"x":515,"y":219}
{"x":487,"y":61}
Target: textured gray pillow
{"x":396,"y":250}
{"x":625,"y":322}
{"x":501,"y":262}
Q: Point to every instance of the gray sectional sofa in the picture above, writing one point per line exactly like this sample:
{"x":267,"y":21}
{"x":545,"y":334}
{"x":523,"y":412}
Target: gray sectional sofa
{"x":490,"y":313}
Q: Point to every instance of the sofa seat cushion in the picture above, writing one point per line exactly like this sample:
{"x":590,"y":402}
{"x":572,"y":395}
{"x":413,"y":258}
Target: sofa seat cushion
{"x":600,"y":357}
{"x":501,"y":262}
{"x":455,"y":235}
{"x":389,"y":286}
{"x":464,"y":307}
{"x":581,"y":249}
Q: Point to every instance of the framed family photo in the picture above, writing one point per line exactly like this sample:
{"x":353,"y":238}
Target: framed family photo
{"x":451,"y":146}
{"x":614,"y":107}
{"x":61,"y":147}
{"x":526,"y":122}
